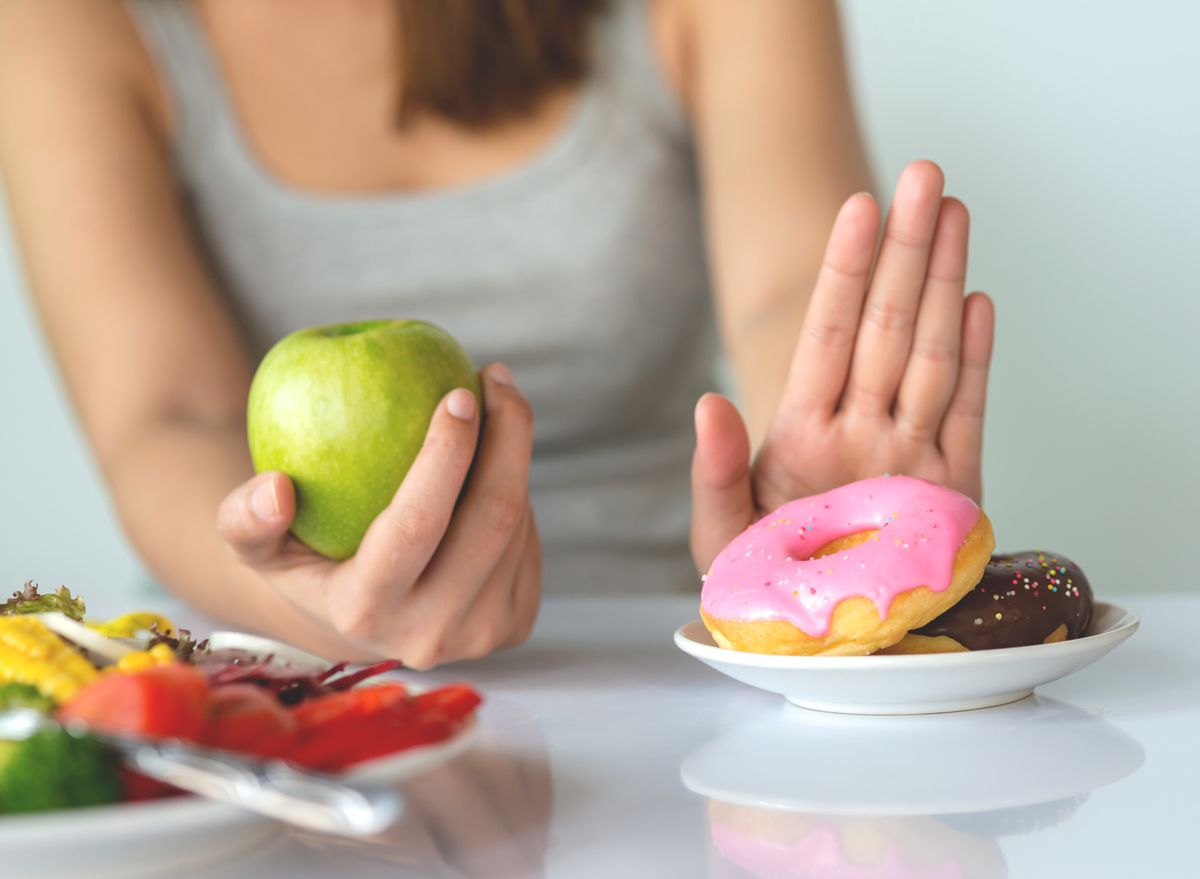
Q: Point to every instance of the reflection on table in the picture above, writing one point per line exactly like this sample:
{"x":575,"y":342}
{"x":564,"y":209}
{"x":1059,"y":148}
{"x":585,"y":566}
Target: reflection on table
{"x":484,"y":814}
{"x":803,"y":794}
{"x":770,"y":844}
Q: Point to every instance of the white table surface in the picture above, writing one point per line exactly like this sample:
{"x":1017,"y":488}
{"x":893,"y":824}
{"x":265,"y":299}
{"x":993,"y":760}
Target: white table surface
{"x":591,"y":727}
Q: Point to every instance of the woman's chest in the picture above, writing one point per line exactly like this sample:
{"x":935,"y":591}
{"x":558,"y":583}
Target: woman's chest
{"x":316,"y":84}
{"x":585,"y":272}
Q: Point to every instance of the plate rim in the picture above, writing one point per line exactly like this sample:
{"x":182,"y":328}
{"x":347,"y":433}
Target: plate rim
{"x":1126,"y":625}
{"x":297,"y":657}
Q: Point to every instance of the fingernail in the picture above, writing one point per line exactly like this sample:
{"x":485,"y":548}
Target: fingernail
{"x":461,"y":404}
{"x":264,"y":502}
{"x":502,"y":375}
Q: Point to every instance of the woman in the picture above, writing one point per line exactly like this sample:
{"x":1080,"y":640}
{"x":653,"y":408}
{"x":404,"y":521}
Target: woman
{"x":192,"y":179}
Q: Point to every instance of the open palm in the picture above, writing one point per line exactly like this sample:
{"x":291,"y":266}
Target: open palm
{"x":889,"y":375}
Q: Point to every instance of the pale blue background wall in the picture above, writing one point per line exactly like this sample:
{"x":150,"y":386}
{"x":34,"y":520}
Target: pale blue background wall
{"x":1071,"y":130}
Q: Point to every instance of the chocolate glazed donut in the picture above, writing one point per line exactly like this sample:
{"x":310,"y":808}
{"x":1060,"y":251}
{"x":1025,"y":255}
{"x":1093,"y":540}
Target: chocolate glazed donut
{"x":1024,"y":598}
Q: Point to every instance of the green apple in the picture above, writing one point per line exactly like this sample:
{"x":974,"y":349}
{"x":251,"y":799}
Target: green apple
{"x":343,"y":411}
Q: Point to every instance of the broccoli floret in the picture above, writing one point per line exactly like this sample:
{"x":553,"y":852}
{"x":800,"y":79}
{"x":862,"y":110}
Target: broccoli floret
{"x":53,"y":769}
{"x":13,"y":695}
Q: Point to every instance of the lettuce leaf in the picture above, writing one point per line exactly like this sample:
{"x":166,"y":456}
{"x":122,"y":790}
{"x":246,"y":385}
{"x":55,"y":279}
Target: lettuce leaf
{"x":28,"y":600}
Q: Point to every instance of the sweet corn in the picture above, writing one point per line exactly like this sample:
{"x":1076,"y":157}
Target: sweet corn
{"x":159,"y":654}
{"x":32,"y":654}
{"x":130,"y":624}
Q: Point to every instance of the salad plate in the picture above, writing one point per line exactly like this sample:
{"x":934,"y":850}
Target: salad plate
{"x":158,"y":837}
{"x":916,"y":684}
{"x":184,"y":833}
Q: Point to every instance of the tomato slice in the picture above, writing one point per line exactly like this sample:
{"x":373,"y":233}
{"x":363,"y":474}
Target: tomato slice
{"x":328,"y":732}
{"x":335,"y":725}
{"x":167,"y":701}
{"x":326,"y":745}
{"x":346,"y":728}
{"x":454,"y":701}
{"x":241,"y":716}
{"x":425,"y":731}
{"x":349,"y":703}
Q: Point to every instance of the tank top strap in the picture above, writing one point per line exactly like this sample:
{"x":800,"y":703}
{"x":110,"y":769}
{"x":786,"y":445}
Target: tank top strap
{"x":173,"y":36}
{"x":627,"y":61}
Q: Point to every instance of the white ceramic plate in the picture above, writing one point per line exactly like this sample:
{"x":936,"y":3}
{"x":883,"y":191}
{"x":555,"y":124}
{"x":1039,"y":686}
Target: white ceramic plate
{"x":161,"y":837}
{"x":923,"y":684}
{"x":261,"y":646}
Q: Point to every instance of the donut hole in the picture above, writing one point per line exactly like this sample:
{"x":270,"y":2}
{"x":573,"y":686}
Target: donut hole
{"x":842,"y":543}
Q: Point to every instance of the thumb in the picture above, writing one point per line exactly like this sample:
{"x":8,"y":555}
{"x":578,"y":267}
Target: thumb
{"x":254,"y":518}
{"x":722,"y":500}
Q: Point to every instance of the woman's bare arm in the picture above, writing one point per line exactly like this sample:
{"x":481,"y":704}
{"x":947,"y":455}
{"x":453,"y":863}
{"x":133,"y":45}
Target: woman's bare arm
{"x":159,"y":378}
{"x":852,"y":360}
{"x":766,"y":87}
{"x":151,"y":361}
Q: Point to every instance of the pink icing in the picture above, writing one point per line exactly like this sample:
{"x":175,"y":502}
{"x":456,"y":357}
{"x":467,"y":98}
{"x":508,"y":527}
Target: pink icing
{"x":818,"y":855}
{"x":767,"y":572}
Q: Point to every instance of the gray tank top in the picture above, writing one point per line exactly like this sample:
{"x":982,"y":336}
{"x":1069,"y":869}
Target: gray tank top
{"x":584,"y":270}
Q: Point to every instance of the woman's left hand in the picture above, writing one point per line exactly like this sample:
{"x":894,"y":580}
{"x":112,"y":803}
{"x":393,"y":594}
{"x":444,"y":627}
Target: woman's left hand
{"x":889,"y":375}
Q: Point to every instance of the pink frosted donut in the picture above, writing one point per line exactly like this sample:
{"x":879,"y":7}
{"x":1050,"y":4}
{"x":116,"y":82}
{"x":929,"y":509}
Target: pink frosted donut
{"x":847,"y":572}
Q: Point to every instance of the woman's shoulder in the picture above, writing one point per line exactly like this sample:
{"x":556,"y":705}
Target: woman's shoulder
{"x":57,"y":53}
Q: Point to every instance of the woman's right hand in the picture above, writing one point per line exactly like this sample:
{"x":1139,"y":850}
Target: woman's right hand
{"x":889,"y":373}
{"x":432,"y":582}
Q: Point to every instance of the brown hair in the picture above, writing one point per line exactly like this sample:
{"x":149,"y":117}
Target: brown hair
{"x":477,"y":62}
